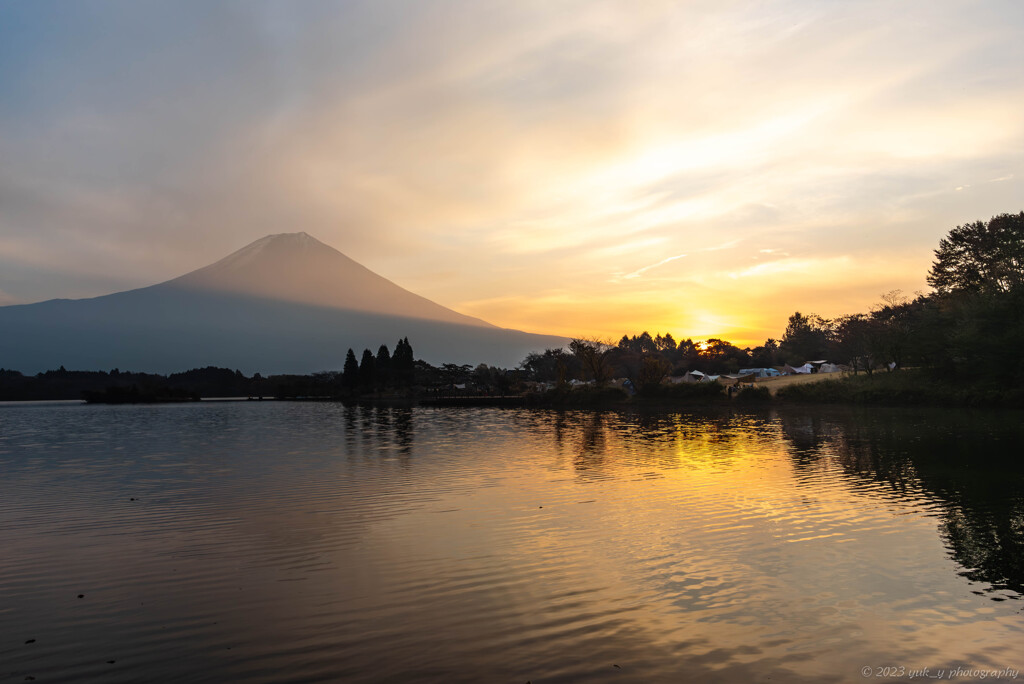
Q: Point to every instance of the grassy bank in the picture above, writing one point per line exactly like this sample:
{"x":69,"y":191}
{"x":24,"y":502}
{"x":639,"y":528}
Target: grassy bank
{"x":904,"y":388}
{"x":900,"y":388}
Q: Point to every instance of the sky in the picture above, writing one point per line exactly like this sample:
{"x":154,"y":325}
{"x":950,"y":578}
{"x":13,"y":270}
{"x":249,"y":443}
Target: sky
{"x":573,"y":168}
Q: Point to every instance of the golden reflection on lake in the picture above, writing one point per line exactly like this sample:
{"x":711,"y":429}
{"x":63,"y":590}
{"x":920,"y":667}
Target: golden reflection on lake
{"x":318,"y":542}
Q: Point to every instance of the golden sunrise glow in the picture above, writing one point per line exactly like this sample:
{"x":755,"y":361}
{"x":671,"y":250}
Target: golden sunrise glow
{"x":598,"y":171}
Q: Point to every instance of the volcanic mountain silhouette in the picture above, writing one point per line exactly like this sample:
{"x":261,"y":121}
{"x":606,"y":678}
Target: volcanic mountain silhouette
{"x":286,"y":303}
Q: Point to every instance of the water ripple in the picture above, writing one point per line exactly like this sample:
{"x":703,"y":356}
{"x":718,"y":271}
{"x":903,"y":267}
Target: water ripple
{"x":317,"y":542}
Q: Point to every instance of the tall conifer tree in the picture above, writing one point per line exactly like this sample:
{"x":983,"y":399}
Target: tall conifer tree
{"x":367,"y":371}
{"x":350,"y":374}
{"x":383,"y":365}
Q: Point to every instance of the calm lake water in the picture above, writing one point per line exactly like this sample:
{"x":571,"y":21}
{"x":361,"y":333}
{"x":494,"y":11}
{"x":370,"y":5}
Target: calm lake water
{"x":287,"y":542}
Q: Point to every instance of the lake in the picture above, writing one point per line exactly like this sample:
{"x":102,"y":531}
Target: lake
{"x":303,"y":542}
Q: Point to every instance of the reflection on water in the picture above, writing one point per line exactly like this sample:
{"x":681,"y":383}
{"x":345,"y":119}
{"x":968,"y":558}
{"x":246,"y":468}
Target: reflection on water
{"x":970,"y":463}
{"x":321,"y":542}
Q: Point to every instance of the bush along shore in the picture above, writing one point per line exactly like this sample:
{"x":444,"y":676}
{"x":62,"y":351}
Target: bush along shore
{"x":904,"y":388}
{"x":897,"y":388}
{"x":913,"y":387}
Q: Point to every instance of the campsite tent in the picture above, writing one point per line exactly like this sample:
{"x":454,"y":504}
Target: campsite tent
{"x":800,"y":370}
{"x":696,"y":376}
{"x":760,"y":372}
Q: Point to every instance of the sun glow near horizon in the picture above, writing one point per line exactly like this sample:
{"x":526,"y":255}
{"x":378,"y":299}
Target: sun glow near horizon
{"x":592,"y":170}
{"x":744,"y":304}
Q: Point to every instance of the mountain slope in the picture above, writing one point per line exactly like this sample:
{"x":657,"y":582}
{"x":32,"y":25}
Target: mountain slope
{"x":284,"y":304}
{"x":296,"y":267}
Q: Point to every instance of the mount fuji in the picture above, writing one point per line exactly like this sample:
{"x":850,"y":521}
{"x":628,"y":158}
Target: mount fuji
{"x":286,"y":303}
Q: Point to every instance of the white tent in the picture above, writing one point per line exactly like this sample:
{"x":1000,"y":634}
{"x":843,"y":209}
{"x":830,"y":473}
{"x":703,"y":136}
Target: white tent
{"x":760,"y":372}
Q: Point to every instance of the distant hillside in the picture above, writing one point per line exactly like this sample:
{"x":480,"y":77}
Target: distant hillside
{"x":284,"y":304}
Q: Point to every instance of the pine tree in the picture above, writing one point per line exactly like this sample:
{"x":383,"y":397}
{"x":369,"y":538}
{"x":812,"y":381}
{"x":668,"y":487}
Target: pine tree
{"x":383,"y":365}
{"x":350,"y":374}
{"x":402,"y":364}
{"x":367,"y":371}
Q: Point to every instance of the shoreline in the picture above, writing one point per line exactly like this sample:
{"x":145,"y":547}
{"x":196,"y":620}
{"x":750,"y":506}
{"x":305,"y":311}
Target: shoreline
{"x":906,"y":387}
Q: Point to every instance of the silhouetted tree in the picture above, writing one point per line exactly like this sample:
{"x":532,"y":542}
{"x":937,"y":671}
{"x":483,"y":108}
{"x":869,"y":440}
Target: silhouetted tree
{"x":455,"y":374}
{"x":686,"y":356}
{"x":653,"y":368}
{"x":858,"y":342}
{"x":766,"y":355}
{"x":721,"y":356}
{"x":642,"y":343}
{"x":383,"y":366}
{"x":806,"y":338}
{"x":666,"y":343}
{"x":894,"y":327}
{"x":350,"y":373}
{"x":402,"y":363}
{"x":593,"y":357}
{"x":491,"y":379}
{"x":367,"y":371}
{"x":554,"y":365}
{"x":981,"y":257}
{"x":645,"y":343}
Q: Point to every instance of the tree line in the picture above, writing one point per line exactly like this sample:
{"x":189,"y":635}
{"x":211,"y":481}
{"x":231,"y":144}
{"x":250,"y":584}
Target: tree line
{"x":969,"y":328}
{"x":383,"y":371}
{"x":388,"y":372}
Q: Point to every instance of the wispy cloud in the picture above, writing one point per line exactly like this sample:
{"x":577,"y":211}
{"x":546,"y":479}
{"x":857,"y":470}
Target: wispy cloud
{"x":724,"y":245}
{"x":640,"y":271}
{"x":525,"y":148}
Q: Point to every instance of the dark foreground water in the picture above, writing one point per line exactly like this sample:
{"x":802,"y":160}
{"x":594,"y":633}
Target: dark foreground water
{"x":283,"y":542}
